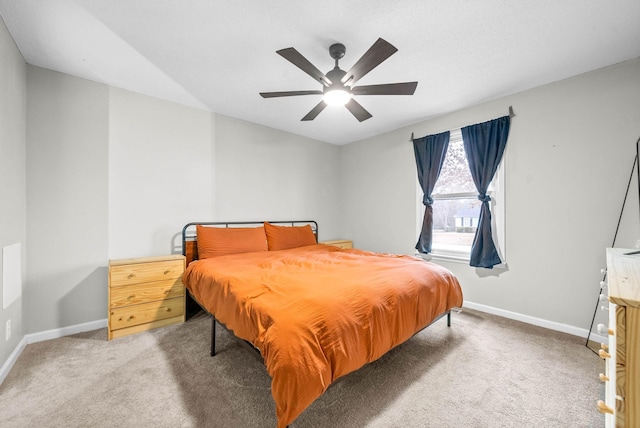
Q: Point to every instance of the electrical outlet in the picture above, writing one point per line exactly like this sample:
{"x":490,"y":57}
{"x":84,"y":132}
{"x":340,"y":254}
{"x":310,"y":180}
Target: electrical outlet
{"x":8,"y":330}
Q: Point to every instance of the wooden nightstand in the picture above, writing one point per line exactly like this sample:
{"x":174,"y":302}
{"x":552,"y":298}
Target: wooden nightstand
{"x":342,"y":243}
{"x":145,"y":293}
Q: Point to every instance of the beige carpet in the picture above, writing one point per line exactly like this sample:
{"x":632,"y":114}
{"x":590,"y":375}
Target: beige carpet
{"x":483,"y":371}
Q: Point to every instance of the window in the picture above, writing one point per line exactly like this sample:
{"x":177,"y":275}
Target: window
{"x":456,"y":207}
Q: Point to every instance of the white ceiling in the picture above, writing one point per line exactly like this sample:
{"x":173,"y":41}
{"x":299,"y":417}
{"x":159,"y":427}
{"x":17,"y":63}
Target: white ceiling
{"x":218,"y":55}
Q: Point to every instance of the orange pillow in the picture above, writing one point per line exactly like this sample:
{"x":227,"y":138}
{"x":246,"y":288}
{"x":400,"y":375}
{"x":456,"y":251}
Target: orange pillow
{"x":285,"y":237}
{"x":219,"y":241}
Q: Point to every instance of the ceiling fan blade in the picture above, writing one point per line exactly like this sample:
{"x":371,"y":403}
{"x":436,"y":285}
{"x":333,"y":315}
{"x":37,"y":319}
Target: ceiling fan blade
{"x":406,"y":88}
{"x":315,"y":111}
{"x":377,"y":53}
{"x":357,"y":110}
{"x":303,"y":64}
{"x":289,"y":93}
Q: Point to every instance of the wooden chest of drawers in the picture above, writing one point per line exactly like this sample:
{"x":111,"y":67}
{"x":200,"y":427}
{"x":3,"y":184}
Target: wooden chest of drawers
{"x":622,"y":356}
{"x":342,"y":243}
{"x":145,"y":293}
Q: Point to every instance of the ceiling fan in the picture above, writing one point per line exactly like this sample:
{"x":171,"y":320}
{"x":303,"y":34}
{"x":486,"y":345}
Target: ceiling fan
{"x":337,"y":84}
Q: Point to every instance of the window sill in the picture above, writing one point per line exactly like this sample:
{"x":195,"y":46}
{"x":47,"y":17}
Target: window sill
{"x":453,"y":258}
{"x":444,"y":257}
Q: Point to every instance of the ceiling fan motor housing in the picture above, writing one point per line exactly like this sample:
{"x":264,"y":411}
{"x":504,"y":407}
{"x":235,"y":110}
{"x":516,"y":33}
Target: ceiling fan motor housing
{"x":337,"y":51}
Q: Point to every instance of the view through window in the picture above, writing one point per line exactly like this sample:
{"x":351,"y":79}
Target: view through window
{"x":456,"y":207}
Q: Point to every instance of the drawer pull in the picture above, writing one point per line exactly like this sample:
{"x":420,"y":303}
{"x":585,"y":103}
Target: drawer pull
{"x":131,"y":297}
{"x":131,"y":275}
{"x":167,"y":272}
{"x":603,"y":377}
{"x":168,"y":309}
{"x":604,"y":346}
{"x":603,"y":408}
{"x":604,"y":354}
{"x":130,"y":317}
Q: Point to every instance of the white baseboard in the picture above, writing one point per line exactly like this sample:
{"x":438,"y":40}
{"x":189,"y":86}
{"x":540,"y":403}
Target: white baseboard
{"x":551,"y":325}
{"x":28,"y":339}
{"x":65,"y":331}
{"x":8,"y":365}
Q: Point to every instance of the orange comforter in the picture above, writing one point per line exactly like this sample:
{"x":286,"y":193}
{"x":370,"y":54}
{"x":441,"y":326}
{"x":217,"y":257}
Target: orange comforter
{"x":319,"y":312}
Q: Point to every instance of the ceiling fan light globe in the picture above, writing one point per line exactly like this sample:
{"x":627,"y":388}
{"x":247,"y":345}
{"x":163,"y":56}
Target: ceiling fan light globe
{"x":337,"y":97}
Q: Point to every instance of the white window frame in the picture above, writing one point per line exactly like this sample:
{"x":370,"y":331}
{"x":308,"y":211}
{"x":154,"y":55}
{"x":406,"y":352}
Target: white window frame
{"x":497,"y":205}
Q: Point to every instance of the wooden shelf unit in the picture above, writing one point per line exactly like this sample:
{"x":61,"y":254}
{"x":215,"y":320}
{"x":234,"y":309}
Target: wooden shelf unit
{"x":145,"y":293}
{"x":622,"y":355}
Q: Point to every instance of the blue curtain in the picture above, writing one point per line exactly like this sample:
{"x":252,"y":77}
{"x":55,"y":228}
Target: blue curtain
{"x":430,"y":152}
{"x":484,"y":146}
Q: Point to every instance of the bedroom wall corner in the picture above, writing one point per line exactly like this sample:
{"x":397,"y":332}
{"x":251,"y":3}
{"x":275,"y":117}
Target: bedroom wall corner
{"x":13,"y":181}
{"x":67,"y":147}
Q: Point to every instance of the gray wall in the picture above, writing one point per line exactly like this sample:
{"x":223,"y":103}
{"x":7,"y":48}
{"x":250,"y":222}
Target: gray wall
{"x":379,"y":192}
{"x":160,"y":173}
{"x":13,"y":202}
{"x":115,"y":174}
{"x":67,"y":148}
{"x":568,"y":160}
{"x":170,"y":164}
{"x":263,"y":173}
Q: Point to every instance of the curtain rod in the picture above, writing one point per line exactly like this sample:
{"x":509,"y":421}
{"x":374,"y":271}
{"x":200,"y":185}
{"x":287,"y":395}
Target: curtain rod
{"x":511,"y":114}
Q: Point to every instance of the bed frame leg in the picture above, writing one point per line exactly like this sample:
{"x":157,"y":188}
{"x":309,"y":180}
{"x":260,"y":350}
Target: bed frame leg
{"x":449,"y":319}
{"x":213,"y":336}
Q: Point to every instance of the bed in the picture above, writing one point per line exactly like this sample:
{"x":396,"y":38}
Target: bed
{"x":314,"y":312}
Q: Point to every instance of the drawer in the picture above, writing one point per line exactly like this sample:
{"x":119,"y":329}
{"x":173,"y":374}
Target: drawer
{"x":146,"y":292}
{"x":146,"y":312}
{"x":134,"y":273}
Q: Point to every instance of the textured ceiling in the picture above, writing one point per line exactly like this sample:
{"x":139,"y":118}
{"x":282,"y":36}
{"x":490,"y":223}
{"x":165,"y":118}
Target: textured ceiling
{"x":218,"y":55}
